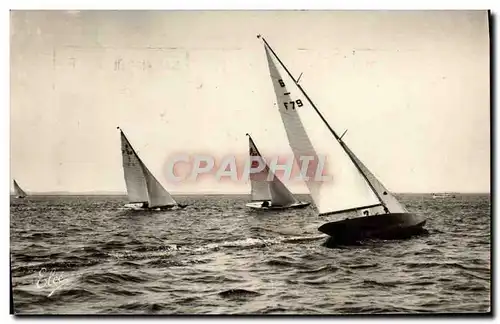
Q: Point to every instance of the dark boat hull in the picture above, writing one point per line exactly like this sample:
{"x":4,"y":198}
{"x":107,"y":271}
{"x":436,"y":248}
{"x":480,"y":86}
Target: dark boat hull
{"x":140,"y":207}
{"x":383,"y":226}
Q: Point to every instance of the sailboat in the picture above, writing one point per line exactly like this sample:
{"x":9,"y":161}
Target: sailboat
{"x":269,"y":194}
{"x":143,"y":190}
{"x":358,"y":204}
{"x":18,"y":191}
{"x":442,"y":195}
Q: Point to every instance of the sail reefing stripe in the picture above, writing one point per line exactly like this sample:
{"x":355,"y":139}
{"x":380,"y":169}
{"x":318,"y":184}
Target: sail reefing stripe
{"x":350,"y":209}
{"x":326,"y":123}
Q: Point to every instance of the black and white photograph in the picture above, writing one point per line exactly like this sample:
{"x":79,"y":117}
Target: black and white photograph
{"x":250,"y":162}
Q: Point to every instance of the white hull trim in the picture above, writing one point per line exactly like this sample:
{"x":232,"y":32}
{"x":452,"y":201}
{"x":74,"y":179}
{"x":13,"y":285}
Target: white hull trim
{"x":258,"y":205}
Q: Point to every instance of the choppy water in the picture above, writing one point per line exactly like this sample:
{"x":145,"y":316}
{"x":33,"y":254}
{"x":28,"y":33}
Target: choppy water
{"x":217,"y":257}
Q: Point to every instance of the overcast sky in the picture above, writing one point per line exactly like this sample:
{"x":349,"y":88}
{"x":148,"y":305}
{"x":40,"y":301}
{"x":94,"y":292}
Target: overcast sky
{"x":411,"y":87}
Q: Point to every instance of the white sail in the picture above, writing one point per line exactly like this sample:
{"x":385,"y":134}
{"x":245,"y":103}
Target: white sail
{"x":274,"y":189}
{"x":280,"y":195}
{"x":389,"y":200}
{"x":158,"y":196}
{"x":142,"y":186}
{"x":18,"y":191}
{"x":134,"y":176}
{"x":309,"y":136}
{"x":258,"y":181}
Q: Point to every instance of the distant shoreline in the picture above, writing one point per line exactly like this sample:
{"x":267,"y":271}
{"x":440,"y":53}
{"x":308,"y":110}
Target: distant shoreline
{"x":225,"y":194}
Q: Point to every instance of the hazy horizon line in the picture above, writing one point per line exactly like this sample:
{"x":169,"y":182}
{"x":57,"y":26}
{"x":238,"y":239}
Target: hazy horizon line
{"x":119,"y":193}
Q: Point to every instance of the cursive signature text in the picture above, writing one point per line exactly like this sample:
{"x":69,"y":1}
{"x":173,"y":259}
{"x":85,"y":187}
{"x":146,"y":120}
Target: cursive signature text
{"x":53,"y":281}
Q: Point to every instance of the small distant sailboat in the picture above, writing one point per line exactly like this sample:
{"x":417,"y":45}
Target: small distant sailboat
{"x":18,"y":191}
{"x":144,"y":191}
{"x":269,"y":194}
{"x":360,"y":206}
{"x":442,"y":195}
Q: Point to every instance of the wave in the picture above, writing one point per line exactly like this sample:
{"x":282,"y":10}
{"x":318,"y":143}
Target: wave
{"x":174,"y":249}
{"x":159,"y":263}
{"x":137,"y":306}
{"x":238,"y":293}
{"x":363,"y":266}
{"x":326,"y":268}
{"x":456,"y":265}
{"x":110,"y":277}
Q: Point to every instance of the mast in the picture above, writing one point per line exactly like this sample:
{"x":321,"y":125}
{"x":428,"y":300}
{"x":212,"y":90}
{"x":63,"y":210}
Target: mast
{"x":342,"y":144}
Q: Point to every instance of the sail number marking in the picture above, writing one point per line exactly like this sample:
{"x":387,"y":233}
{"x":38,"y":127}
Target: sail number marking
{"x":298,"y":102}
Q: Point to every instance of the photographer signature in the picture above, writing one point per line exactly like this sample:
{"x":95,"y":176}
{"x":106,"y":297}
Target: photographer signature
{"x":53,"y":281}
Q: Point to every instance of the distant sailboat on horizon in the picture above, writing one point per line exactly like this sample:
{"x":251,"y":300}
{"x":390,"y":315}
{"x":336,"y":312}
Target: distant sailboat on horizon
{"x":443,"y":195}
{"x":360,"y":206}
{"x":18,"y":191}
{"x":269,"y":194}
{"x":143,"y":190}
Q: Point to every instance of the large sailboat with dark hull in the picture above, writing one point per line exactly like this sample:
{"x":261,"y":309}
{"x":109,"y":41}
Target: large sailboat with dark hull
{"x":357,"y":203}
{"x":143,"y":189}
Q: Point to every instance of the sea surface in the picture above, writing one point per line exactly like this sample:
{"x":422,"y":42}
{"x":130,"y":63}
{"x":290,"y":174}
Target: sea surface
{"x":86,"y":255}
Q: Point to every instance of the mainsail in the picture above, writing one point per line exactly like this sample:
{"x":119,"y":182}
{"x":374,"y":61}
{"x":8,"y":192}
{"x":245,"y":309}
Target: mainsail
{"x":142,"y":186}
{"x":353,"y":187}
{"x":258,"y":181}
{"x":265,"y":189}
{"x":18,"y":191}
